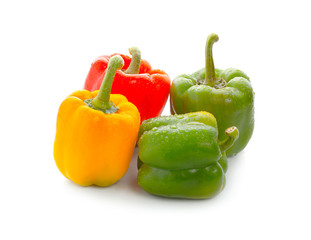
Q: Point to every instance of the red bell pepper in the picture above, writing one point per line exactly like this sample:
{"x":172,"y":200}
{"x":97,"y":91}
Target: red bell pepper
{"x":145,"y":87}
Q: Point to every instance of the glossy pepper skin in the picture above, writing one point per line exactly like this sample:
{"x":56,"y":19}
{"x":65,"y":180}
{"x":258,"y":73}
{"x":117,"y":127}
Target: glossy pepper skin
{"x":179,"y":156}
{"x":227,"y":94}
{"x":146,"y":88}
{"x":96,"y":134}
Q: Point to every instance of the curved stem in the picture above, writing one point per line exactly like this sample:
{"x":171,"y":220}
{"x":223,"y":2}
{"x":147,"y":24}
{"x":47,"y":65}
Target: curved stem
{"x":209,"y":63}
{"x":101,"y":101}
{"x":232,"y":135}
{"x":135,"y":63}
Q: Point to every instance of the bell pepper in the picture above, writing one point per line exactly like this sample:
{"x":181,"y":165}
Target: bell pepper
{"x":179,"y":156}
{"x":145,"y":87}
{"x":227,"y":94}
{"x":96,"y":133}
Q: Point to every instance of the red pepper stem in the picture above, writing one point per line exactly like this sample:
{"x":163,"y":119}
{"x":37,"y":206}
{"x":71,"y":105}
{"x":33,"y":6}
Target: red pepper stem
{"x":232,"y":135}
{"x":135,"y":63}
{"x":210,"y":77}
{"x":101,"y":101}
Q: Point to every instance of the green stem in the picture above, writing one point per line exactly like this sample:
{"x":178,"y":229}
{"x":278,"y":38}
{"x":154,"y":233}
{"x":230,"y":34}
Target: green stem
{"x":135,"y":63}
{"x":210,"y":77}
{"x":232,"y":135}
{"x":101,"y":101}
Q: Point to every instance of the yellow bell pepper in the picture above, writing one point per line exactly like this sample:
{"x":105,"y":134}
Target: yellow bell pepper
{"x":96,"y":133}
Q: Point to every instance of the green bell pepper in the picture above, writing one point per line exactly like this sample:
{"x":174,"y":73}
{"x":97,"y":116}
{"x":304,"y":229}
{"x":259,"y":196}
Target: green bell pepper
{"x":227,"y":94}
{"x":180,"y":156}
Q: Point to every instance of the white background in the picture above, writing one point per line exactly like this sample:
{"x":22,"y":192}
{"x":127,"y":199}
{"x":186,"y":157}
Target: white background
{"x":45,"y":53}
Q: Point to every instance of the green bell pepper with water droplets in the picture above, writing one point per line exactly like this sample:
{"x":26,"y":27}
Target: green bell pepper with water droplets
{"x":227,"y":94}
{"x":180,"y":156}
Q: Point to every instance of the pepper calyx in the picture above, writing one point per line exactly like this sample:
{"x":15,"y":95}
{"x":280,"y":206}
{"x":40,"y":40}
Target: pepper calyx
{"x":111,"y":108}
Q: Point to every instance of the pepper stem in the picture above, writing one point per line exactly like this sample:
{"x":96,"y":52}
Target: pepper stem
{"x":101,"y":101}
{"x":232,"y":135}
{"x":135,"y":63}
{"x":210,"y":77}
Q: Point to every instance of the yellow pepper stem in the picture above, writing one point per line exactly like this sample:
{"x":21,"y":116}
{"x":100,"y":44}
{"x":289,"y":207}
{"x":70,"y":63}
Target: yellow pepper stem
{"x":101,"y":101}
